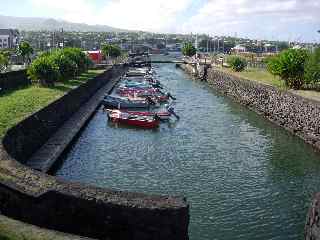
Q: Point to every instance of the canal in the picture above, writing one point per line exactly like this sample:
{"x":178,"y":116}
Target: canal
{"x":244,"y":177}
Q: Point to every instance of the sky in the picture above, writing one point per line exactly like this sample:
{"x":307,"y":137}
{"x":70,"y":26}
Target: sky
{"x":289,"y":20}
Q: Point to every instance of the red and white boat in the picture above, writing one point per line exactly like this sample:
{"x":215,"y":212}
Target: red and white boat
{"x":142,"y":121}
{"x":165,"y":115}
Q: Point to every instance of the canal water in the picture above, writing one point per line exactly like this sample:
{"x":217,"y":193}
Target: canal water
{"x":244,"y":177}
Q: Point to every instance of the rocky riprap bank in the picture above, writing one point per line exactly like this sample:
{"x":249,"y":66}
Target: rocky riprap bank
{"x":296,"y":114}
{"x":43,"y":200}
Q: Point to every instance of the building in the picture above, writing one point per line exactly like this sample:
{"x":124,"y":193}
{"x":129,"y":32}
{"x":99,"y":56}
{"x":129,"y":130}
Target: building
{"x":95,"y":56}
{"x":9,"y":38}
{"x":239,"y":49}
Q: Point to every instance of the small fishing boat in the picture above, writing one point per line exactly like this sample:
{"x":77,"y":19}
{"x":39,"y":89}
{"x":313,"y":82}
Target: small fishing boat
{"x":141,"y":121}
{"x":162,"y":115}
{"x":117,"y":102}
{"x":133,"y":91}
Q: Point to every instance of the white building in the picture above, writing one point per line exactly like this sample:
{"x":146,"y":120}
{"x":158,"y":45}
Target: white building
{"x":239,"y":49}
{"x":9,"y":38}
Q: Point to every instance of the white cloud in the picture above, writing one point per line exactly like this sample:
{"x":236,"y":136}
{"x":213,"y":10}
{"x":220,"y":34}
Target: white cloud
{"x":258,"y":18}
{"x":153,"y":15}
{"x":143,"y":14}
{"x":252,"y":17}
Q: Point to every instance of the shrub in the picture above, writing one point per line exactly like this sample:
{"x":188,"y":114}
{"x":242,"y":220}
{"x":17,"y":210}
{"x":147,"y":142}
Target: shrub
{"x":79,"y":57}
{"x":67,"y":67}
{"x":312,"y":68}
{"x":289,"y":66}
{"x":189,"y":50}
{"x":60,"y":64}
{"x":44,"y":71}
{"x":238,"y":64}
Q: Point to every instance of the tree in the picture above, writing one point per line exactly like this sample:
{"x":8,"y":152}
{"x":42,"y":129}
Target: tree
{"x":44,"y":70}
{"x":312,"y":67}
{"x":188,"y":49}
{"x":25,"y":50}
{"x":4,"y":61}
{"x":238,"y":64}
{"x":289,"y":66}
{"x":79,"y":57}
{"x":109,"y":50}
{"x":67,"y":67}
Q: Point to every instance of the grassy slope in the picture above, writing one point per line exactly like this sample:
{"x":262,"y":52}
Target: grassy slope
{"x":18,"y":104}
{"x":265,"y":77}
{"x":259,"y":75}
{"x":15,"y":230}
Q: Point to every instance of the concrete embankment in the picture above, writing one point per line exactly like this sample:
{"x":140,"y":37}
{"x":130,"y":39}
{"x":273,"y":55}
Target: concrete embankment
{"x":296,"y":114}
{"x":40,"y":199}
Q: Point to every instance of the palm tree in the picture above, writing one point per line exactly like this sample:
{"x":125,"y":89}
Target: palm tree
{"x":25,"y":50}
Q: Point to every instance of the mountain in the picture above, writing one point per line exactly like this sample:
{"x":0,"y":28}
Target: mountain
{"x":49,"y":24}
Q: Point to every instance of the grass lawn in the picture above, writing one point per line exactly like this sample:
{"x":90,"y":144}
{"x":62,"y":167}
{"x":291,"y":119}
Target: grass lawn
{"x":261,"y":75}
{"x":18,"y":104}
{"x":15,"y":230}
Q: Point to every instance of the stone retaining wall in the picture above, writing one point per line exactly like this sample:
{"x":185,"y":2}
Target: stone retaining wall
{"x":14,"y":80}
{"x":298,"y":115}
{"x":45,"y":201}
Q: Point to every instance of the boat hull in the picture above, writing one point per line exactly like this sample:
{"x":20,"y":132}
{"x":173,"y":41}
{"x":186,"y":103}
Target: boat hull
{"x":135,"y":122}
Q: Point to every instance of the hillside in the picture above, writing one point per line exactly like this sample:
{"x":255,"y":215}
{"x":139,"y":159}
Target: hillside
{"x":49,"y":24}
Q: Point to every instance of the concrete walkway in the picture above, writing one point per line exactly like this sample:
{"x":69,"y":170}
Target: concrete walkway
{"x":48,"y":154}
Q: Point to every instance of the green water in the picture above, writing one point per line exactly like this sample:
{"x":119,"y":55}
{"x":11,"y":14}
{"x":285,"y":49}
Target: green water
{"x":244,"y":177}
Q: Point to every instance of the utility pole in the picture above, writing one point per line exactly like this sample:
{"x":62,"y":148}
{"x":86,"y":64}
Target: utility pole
{"x":62,"y":37}
{"x":223,"y":45}
{"x":53,"y":40}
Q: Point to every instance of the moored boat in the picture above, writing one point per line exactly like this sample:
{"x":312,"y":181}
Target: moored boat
{"x":141,"y":121}
{"x":116,"y":102}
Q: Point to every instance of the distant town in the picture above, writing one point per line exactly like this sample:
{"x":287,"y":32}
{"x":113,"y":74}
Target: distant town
{"x":154,"y":43}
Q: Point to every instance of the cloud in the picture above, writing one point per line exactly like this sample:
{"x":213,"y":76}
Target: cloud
{"x":144,"y":14}
{"x":150,"y":15}
{"x":253,"y":18}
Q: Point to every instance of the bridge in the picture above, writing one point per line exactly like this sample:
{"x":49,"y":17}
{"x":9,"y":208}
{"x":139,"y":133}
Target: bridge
{"x":168,"y":61}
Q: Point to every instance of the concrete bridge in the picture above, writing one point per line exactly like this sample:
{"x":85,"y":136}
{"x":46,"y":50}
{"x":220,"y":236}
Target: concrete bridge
{"x":168,"y":61}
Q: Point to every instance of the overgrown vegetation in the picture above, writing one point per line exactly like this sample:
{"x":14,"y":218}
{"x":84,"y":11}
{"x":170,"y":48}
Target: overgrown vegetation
{"x":44,"y":71}
{"x":61,"y":64}
{"x":289,"y":66}
{"x":312,"y":68}
{"x":238,"y":64}
{"x":189,"y":50}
